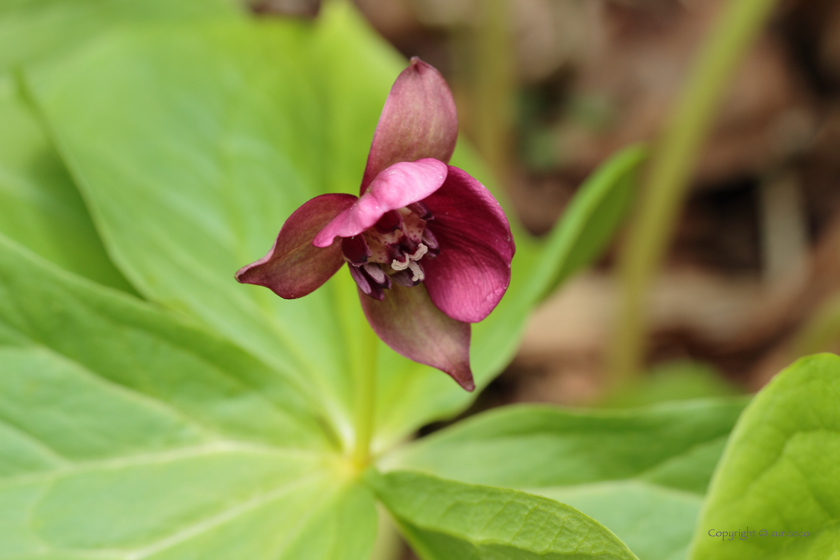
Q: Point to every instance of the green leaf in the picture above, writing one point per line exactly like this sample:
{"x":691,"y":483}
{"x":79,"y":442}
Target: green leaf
{"x":100,"y":333}
{"x":780,"y":472}
{"x":127,"y":434}
{"x":448,"y":520}
{"x":39,"y":204}
{"x":210,"y":161}
{"x":655,"y":522}
{"x":630,"y":470}
{"x":673,"y":445}
{"x":32,"y":29}
{"x":592,"y":218}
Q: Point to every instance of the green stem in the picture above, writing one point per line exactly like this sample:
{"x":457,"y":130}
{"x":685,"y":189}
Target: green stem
{"x":669,"y":174}
{"x":485,"y":84}
{"x":366,"y":398}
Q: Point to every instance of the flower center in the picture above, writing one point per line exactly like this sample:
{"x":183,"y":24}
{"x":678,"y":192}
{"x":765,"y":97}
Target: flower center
{"x":390,"y":251}
{"x":411,"y":263}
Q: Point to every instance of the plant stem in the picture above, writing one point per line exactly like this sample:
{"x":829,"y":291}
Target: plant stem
{"x":485,"y":83}
{"x":366,"y":397}
{"x":669,"y":173}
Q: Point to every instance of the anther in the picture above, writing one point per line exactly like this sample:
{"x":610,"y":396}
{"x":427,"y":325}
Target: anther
{"x":430,"y":240}
{"x":421,"y":210}
{"x":376,"y":273}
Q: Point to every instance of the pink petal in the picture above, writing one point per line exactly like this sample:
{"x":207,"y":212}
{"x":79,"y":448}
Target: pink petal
{"x":399,"y":185}
{"x":418,"y":121}
{"x":472,"y":271}
{"x":408,"y":322}
{"x":294,"y":267}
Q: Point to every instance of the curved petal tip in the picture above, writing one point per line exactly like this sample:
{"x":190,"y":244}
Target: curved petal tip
{"x":408,"y":322}
{"x":419,"y":121}
{"x":294,"y":267}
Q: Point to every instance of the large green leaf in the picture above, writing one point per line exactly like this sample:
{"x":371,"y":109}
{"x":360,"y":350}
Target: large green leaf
{"x":191,"y":177}
{"x":780,"y":473}
{"x":448,"y":520}
{"x":39,"y":204}
{"x":127,"y":434}
{"x":642,"y":473}
{"x":118,"y":339}
{"x":674,"y":445}
{"x":32,"y":29}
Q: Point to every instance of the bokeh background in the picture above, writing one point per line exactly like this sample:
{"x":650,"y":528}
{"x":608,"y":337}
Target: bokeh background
{"x":548,"y":89}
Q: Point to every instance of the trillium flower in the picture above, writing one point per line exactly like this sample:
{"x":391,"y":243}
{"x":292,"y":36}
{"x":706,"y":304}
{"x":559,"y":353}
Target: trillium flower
{"x":428,"y":246}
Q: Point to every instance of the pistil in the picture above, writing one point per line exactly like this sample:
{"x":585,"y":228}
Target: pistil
{"x":411,"y":263}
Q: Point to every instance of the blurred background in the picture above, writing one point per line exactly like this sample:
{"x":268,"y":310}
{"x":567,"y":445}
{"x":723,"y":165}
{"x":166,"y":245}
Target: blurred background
{"x":548,"y":89}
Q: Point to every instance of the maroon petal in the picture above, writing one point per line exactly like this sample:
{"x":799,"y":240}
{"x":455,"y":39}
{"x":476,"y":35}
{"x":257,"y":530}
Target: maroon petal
{"x":407,"y":321}
{"x":472,"y":272}
{"x":418,"y":121}
{"x":398,"y":186}
{"x":294,"y":267}
{"x":355,"y":249}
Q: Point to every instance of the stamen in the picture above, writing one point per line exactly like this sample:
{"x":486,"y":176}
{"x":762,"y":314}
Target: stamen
{"x":360,"y":279}
{"x":409,"y":260}
{"x":418,"y":275}
{"x":430,"y":240}
{"x":403,"y":278}
{"x":376,"y":273}
{"x":420,"y":209}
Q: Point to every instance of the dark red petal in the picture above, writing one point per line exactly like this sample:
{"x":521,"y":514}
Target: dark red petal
{"x":294,"y":267}
{"x":389,"y":222}
{"x":398,"y":186}
{"x":418,"y":121}
{"x":355,"y":249}
{"x":408,"y":322}
{"x":472,"y":272}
